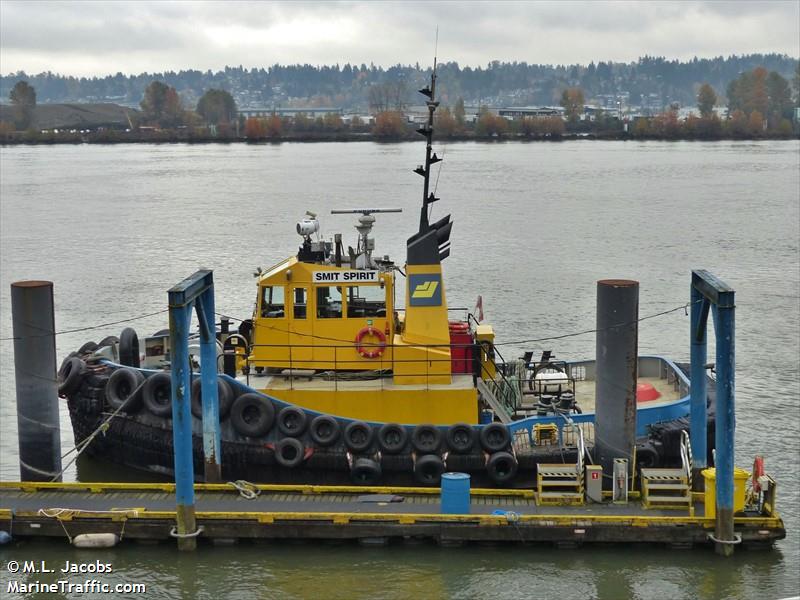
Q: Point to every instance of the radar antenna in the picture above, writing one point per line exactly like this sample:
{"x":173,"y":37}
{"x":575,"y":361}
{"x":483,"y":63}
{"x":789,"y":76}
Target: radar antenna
{"x":362,"y":257}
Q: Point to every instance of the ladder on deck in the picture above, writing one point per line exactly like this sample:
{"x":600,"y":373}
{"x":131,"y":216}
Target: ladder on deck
{"x":562,"y":484}
{"x":670,"y":488}
{"x":498,"y":407}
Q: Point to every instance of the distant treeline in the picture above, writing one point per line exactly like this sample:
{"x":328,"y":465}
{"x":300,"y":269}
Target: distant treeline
{"x":359,"y":86}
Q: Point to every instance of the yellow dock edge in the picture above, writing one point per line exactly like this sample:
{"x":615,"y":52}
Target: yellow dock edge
{"x":554,"y":520}
{"x":33,"y":486}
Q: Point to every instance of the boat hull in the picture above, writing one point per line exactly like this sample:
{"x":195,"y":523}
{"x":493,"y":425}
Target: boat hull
{"x":143,"y":441}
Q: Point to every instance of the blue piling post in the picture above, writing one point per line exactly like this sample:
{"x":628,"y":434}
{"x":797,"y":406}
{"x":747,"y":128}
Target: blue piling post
{"x":698,"y":414}
{"x":195,"y":292}
{"x":724,"y":323}
{"x":179,"y":318}
{"x":212,"y":444}
{"x":720,"y":297}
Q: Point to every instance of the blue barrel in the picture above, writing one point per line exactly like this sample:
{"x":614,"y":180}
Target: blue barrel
{"x":455,"y":494}
{"x":485,"y":417}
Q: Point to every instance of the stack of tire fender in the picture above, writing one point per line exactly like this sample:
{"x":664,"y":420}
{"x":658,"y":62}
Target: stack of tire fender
{"x":290,"y":432}
{"x":296,"y":432}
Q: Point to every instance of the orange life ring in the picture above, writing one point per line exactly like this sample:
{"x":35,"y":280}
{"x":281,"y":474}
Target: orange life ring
{"x":375,"y":350}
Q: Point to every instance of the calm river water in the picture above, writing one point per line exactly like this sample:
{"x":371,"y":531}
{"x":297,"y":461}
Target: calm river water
{"x":535,"y":226}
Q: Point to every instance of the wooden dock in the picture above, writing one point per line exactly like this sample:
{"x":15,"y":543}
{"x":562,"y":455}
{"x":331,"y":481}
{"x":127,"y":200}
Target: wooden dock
{"x":370,"y":515}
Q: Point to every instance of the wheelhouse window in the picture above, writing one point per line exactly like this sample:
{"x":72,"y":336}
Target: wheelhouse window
{"x":272,"y":302}
{"x":300,"y":303}
{"x":329,"y":302}
{"x":366,"y":301}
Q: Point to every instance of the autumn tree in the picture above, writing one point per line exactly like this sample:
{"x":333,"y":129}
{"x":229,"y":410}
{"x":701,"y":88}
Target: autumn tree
{"x":529,"y":126}
{"x":554,"y":126}
{"x":254,"y":129}
{"x":737,"y":124}
{"x":748,"y":92}
{"x":755,"y":124}
{"x":641,"y":127}
{"x":780,"y":98}
{"x":386,"y":97}
{"x":389,"y":124}
{"x":459,"y":113}
{"x":217,"y":107}
{"x":23,"y":97}
{"x":333,"y":122}
{"x":445,"y":124}
{"x":161,"y":105}
{"x":356,"y":122}
{"x":706,"y":99}
{"x":572,"y":100}
{"x":489,"y":124}
{"x":273,"y":127}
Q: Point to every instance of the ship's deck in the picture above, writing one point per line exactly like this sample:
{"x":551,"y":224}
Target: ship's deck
{"x":585,"y":394}
{"x":343,"y":382}
{"x":148,"y":511}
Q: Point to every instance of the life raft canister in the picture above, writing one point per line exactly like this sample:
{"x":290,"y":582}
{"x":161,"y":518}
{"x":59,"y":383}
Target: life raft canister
{"x":458,"y":326}
{"x":371,"y":350}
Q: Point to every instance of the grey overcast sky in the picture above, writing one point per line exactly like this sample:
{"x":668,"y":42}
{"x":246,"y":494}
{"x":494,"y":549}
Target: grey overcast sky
{"x":98,"y":38}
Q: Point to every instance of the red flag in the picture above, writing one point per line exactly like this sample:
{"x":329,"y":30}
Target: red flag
{"x":479,"y":309}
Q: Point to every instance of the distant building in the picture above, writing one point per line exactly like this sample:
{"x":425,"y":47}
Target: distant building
{"x":519,"y":112}
{"x":312,"y":113}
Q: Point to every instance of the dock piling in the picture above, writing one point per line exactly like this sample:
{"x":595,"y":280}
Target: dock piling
{"x":617,"y":371}
{"x":38,"y":424}
{"x":720,"y":297}
{"x":192,"y":293}
{"x":698,"y":391}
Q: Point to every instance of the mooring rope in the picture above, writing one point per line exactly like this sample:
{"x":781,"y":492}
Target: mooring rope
{"x":174,"y":533}
{"x":59,"y":514}
{"x":246,"y":489}
{"x":103,"y":427}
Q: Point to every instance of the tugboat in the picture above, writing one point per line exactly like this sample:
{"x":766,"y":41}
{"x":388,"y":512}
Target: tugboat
{"x":331,"y":381}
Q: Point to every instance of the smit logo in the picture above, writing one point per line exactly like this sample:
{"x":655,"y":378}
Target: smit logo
{"x":425,"y":290}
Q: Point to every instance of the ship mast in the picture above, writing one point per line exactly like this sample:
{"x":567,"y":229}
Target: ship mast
{"x":431,"y":244}
{"x":430,"y":158}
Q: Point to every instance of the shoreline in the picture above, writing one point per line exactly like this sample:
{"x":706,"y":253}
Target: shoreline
{"x":175,"y":138}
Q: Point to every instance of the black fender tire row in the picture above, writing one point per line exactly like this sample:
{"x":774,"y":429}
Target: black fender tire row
{"x":70,"y":375}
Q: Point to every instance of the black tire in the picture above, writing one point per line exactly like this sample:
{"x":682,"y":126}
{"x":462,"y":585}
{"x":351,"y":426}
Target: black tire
{"x":426,"y":439}
{"x":289,"y":452}
{"x":292,"y":421}
{"x":157,"y":394}
{"x":392,"y":438}
{"x":358,"y":436}
{"x":502,"y":467}
{"x":120,"y":387}
{"x":88,"y":347}
{"x":461,"y":438}
{"x":224,"y":395}
{"x":365,"y":471}
{"x":324,"y":430}
{"x":495,"y":437}
{"x":428,"y":470}
{"x":70,"y":375}
{"x":647,"y":457}
{"x":252,"y":415}
{"x":109,"y":340}
{"x":129,"y":348}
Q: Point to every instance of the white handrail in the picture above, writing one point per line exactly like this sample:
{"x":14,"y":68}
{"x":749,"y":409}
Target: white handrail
{"x":686,"y":455}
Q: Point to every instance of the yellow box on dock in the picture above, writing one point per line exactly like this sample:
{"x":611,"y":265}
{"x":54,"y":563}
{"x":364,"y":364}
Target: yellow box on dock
{"x":740,"y":476}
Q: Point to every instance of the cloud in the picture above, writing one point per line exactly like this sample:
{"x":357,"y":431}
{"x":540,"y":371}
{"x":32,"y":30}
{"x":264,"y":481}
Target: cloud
{"x":96,"y":38}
